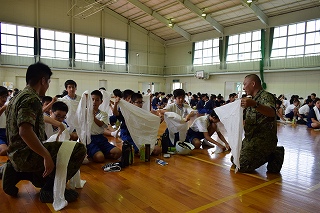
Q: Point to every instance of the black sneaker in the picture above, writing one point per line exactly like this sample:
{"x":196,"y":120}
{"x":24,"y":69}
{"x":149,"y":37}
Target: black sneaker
{"x":47,"y":196}
{"x":276,"y":160}
{"x":10,"y":179}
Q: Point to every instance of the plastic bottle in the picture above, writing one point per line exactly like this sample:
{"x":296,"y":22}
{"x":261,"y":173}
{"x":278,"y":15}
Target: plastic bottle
{"x":142,"y":153}
{"x":147,"y":152}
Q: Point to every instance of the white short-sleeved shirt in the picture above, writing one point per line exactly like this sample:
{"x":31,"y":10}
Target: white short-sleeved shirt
{"x":201,"y":124}
{"x":183,"y":112}
{"x":290,"y":108}
{"x":101,"y":116}
{"x":51,"y":130}
{"x":304,"y":110}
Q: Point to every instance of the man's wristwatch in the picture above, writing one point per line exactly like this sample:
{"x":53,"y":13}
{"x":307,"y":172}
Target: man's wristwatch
{"x":257,"y":104}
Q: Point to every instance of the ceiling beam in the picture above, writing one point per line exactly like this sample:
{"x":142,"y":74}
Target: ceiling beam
{"x":256,"y":10}
{"x":160,"y":18}
{"x":193,"y":8}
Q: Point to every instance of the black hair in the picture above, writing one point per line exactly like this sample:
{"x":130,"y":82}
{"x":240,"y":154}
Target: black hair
{"x":117,"y":93}
{"x":59,"y":105}
{"x":70,"y":82}
{"x":3,"y":91}
{"x":97,"y":93}
{"x":135,"y":97}
{"x":314,"y":94}
{"x":309,"y":100}
{"x":179,"y":92}
{"x":36,"y":72}
{"x":214,"y":114}
{"x":127,"y":93}
{"x":278,"y":102}
{"x":255,"y":78}
{"x":45,"y":99}
{"x":102,"y":88}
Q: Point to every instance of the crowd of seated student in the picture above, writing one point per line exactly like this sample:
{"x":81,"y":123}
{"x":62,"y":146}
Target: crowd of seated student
{"x":302,"y":112}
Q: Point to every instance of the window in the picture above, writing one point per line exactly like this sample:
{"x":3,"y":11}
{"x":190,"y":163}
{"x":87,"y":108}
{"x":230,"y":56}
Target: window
{"x":115,"y":51}
{"x":244,"y":47}
{"x":17,"y":40}
{"x":206,"y":52}
{"x":176,"y":85}
{"x":296,"y":40}
{"x":54,"y":44}
{"x":87,"y":48}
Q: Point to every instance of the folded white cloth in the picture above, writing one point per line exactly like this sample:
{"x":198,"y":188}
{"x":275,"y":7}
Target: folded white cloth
{"x":231,"y":115}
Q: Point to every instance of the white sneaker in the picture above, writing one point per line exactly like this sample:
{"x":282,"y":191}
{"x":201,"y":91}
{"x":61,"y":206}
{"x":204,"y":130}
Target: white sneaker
{"x":207,"y":143}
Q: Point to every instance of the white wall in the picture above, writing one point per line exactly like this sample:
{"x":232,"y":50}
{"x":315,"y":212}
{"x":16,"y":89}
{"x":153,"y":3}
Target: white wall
{"x":85,"y":80}
{"x":302,"y":83}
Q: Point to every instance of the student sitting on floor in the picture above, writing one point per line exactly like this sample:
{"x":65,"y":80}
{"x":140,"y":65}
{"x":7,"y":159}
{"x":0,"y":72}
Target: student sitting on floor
{"x":313,"y":120}
{"x":203,"y":127}
{"x":100,"y":148}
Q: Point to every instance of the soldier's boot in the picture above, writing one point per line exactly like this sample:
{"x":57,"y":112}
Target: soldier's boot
{"x":276,"y":160}
{"x":10,"y":179}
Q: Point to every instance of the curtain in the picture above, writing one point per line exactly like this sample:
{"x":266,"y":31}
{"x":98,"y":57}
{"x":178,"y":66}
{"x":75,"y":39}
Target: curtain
{"x":263,"y":51}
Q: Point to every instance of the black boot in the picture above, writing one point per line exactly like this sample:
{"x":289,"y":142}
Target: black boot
{"x":276,"y":160}
{"x":10,"y":179}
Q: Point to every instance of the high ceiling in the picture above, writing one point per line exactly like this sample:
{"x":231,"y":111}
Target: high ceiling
{"x":186,"y":15}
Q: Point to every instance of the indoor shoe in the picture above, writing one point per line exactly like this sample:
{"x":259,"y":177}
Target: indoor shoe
{"x":112,"y":167}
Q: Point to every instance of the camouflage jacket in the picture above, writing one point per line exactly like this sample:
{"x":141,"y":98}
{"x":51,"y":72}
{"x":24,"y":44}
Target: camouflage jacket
{"x":25,"y":107}
{"x":258,"y":125}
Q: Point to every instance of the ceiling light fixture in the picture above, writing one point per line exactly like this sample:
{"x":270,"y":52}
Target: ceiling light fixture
{"x":170,"y":24}
{"x":203,"y":14}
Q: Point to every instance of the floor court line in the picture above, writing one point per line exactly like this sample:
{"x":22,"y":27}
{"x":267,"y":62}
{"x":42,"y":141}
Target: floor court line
{"x":228,"y":167}
{"x":230,"y":197}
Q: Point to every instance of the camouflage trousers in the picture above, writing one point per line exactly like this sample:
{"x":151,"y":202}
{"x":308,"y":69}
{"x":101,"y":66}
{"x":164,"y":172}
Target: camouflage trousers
{"x":254,"y":153}
{"x":30,"y":164}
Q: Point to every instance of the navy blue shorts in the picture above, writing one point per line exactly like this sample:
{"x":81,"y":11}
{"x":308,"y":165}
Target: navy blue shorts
{"x":99,"y":143}
{"x":193,"y":134}
{"x":3,"y":137}
{"x":290,"y":115}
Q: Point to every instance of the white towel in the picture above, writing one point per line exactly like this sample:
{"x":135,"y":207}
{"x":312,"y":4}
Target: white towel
{"x":142,"y":124}
{"x":84,"y":117}
{"x":176,"y":123}
{"x":231,"y":115}
{"x":316,"y":110}
{"x":63,"y":157}
{"x":105,"y":106}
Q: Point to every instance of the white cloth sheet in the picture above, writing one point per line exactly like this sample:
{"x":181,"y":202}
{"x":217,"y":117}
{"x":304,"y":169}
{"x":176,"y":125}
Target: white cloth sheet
{"x":231,"y":116}
{"x":142,"y":124}
{"x":176,"y":123}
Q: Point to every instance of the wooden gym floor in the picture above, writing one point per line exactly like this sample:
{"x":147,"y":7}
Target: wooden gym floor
{"x":201,"y":182}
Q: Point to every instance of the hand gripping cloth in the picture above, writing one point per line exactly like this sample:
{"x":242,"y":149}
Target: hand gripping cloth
{"x":105,"y":107}
{"x":142,"y":124}
{"x":231,"y":116}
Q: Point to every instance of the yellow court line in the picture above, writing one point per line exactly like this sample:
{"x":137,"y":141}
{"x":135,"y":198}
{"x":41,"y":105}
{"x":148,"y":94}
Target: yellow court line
{"x":217,"y":202}
{"x":227,"y":166}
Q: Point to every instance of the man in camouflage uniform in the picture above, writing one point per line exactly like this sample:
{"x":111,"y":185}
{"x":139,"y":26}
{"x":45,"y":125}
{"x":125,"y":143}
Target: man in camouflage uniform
{"x":260,"y":143}
{"x":29,"y":158}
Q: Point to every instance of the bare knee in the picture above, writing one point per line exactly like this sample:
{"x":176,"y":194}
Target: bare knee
{"x":196,"y":142}
{"x":98,"y":157}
